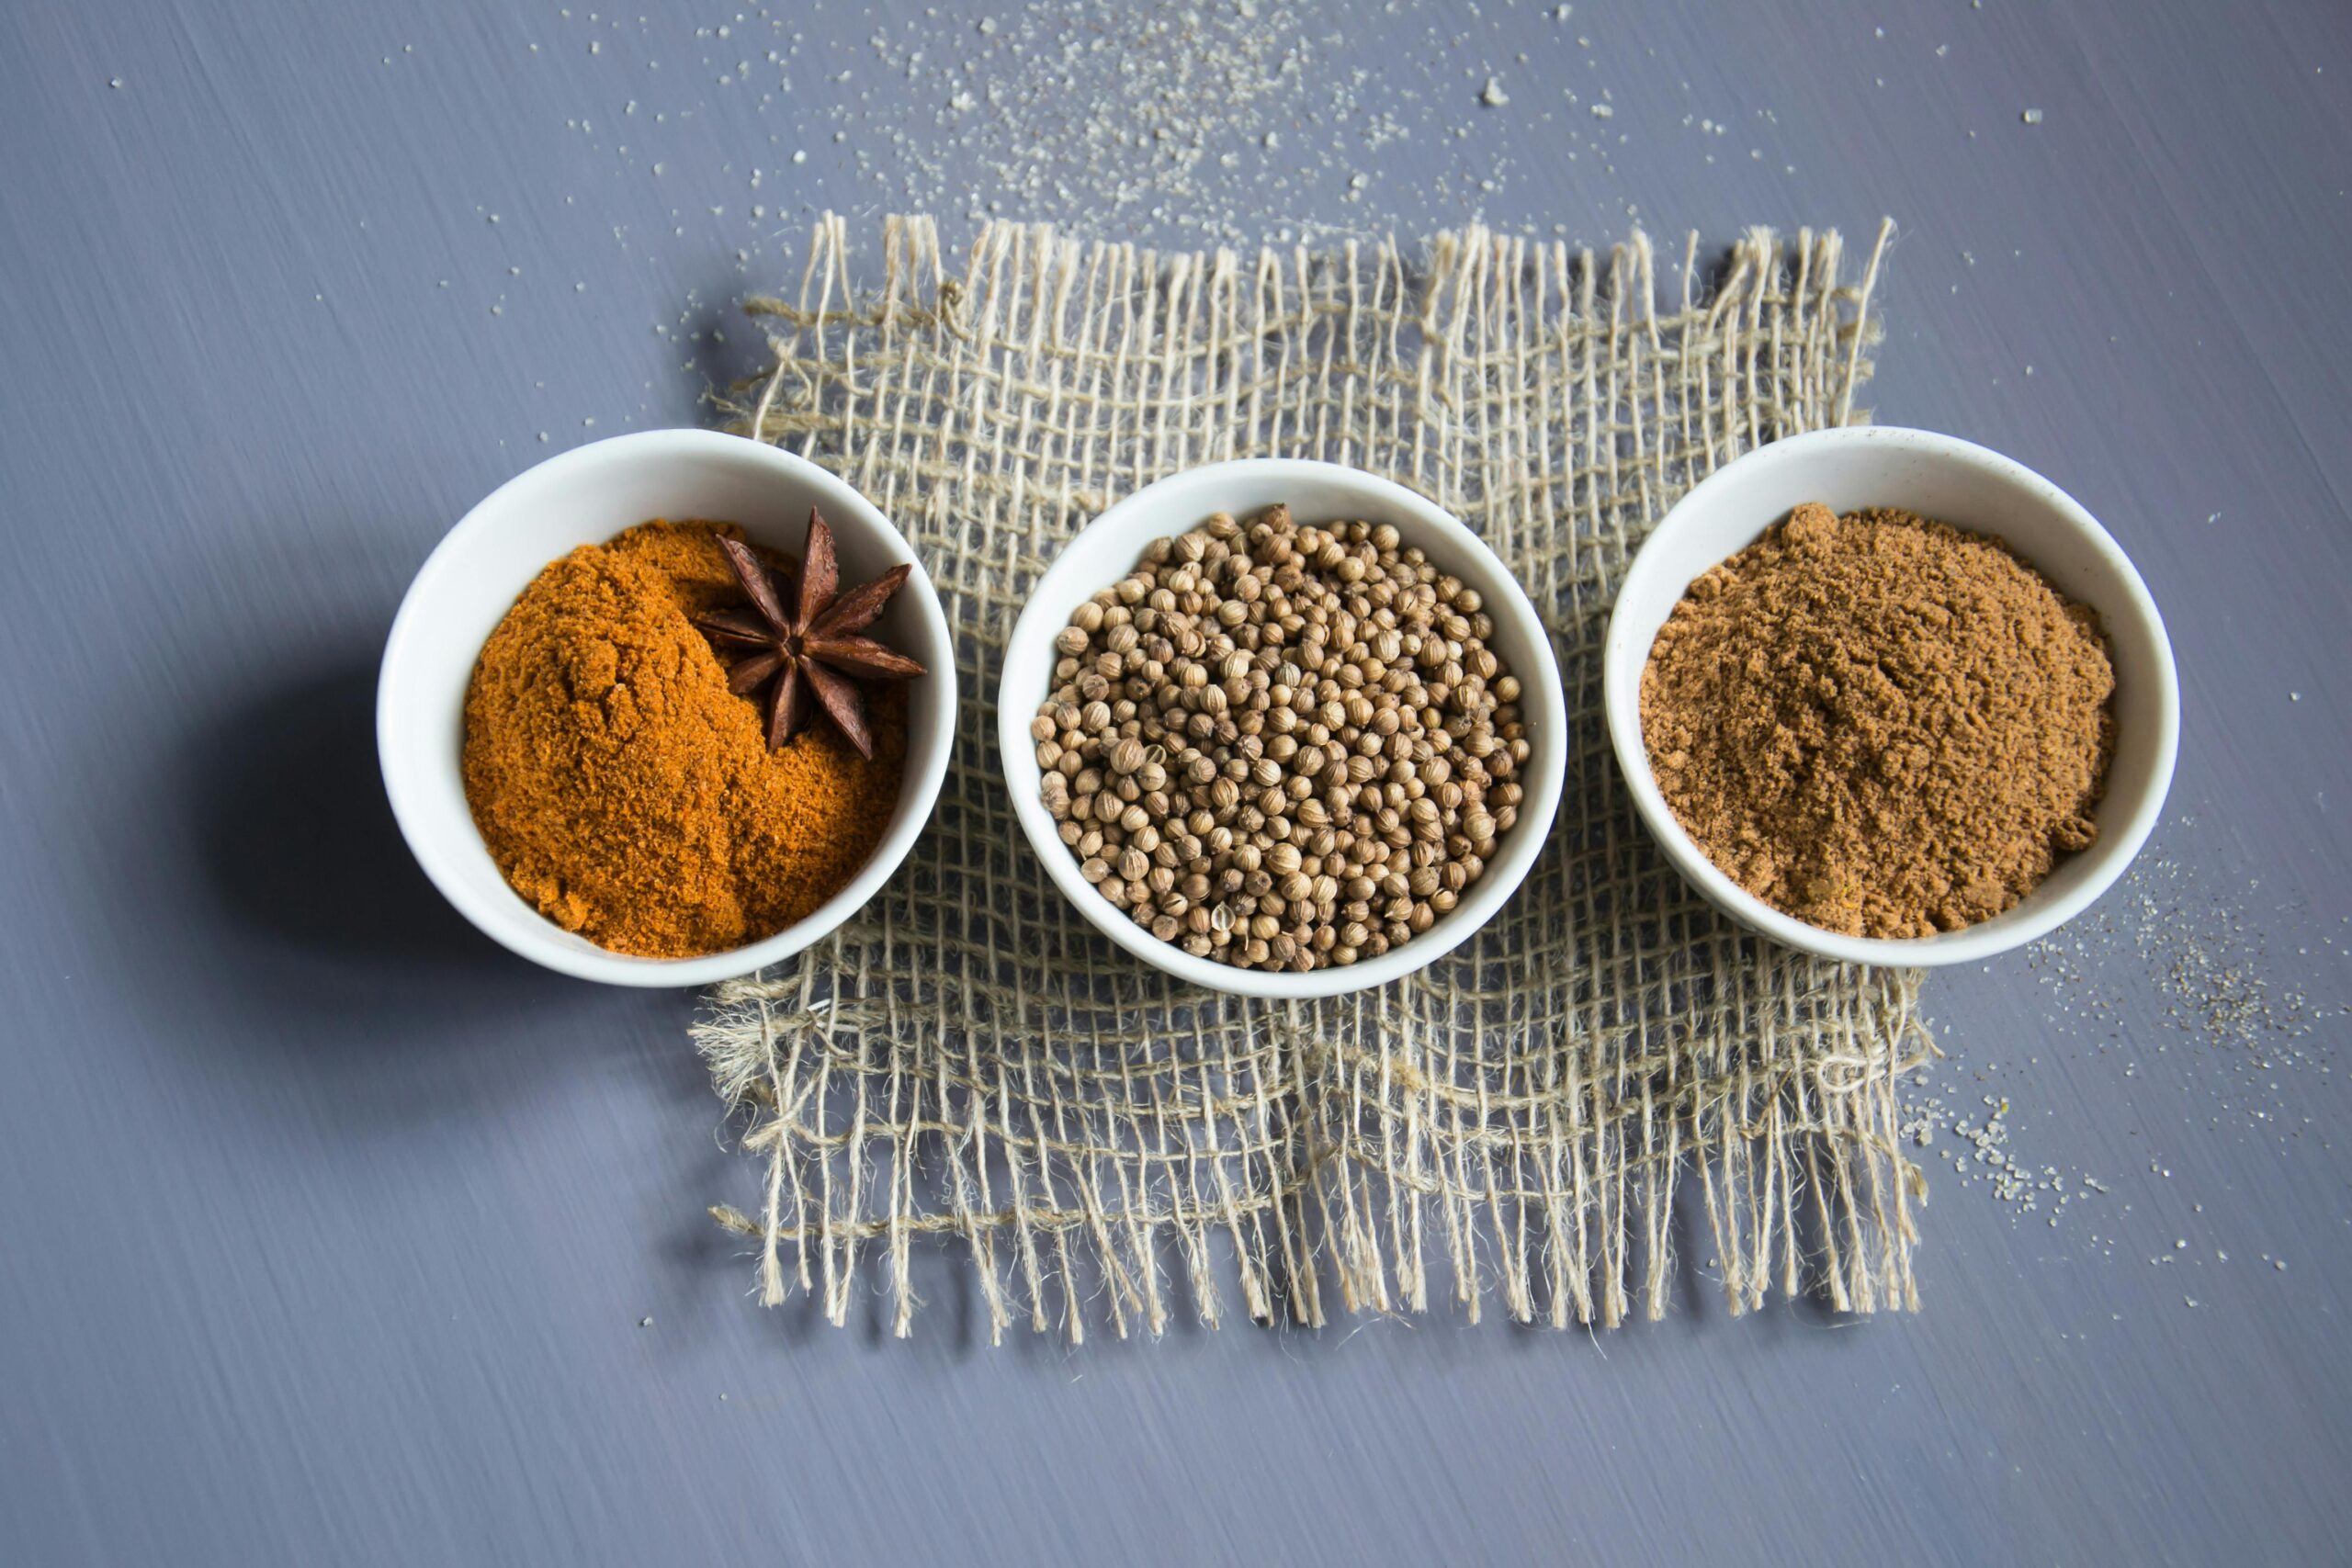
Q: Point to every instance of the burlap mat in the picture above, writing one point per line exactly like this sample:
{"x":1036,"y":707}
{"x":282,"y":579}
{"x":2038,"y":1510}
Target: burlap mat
{"x":969,"y":1060}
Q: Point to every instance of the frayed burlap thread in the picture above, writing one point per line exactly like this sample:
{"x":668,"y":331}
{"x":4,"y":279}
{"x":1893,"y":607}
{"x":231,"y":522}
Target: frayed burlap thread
{"x":969,"y":1060}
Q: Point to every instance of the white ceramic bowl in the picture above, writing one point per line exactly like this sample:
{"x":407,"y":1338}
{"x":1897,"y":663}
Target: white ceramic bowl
{"x":1952,"y":482}
{"x":586,"y":496}
{"x":1109,"y":547}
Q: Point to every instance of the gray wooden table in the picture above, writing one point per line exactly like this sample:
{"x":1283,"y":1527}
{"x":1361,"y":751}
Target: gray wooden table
{"x":329,"y":1229}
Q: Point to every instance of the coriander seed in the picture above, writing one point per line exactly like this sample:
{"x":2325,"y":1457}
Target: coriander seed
{"x":1281,"y":747}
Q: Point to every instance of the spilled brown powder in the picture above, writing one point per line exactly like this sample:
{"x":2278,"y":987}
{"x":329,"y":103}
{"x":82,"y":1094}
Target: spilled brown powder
{"x":626,"y":793}
{"x":1880,"y":725}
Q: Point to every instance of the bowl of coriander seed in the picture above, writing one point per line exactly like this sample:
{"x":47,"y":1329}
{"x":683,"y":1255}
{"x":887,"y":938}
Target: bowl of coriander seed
{"x":1282,"y":729}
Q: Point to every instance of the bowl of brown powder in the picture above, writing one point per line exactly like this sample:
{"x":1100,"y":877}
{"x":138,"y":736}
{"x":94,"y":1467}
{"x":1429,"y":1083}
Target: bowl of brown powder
{"x":666,"y":708}
{"x":1889,"y":697}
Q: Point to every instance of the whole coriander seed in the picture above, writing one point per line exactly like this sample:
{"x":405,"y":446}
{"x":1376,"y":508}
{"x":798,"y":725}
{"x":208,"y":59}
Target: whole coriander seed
{"x":1281,"y":747}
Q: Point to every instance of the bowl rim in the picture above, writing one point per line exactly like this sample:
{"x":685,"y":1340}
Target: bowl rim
{"x":556,"y":949}
{"x":1382,"y":500}
{"x":2120,"y":842}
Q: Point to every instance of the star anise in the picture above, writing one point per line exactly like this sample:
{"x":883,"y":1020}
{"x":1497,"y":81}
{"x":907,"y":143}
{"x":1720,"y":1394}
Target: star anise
{"x":803,"y":641}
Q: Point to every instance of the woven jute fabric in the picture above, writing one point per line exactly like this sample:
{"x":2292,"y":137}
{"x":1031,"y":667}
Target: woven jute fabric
{"x":969,"y":1063}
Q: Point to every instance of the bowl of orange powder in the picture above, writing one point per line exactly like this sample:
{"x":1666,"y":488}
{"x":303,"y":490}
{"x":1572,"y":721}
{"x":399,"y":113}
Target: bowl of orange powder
{"x":666,"y":708}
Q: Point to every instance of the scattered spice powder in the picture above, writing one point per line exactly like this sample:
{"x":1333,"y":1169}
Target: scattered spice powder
{"x":1880,"y":725}
{"x":626,"y":791}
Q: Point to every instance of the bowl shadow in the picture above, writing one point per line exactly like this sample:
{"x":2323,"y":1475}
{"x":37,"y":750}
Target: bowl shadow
{"x":299,"y":841}
{"x":330,"y":941}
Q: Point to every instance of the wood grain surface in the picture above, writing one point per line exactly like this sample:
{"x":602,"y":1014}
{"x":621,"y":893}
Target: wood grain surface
{"x":329,"y":1231}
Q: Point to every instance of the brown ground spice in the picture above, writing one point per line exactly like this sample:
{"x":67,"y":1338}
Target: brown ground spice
{"x":1878,"y":724}
{"x":626,"y":791}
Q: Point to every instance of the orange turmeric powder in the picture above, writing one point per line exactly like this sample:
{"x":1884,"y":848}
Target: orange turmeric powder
{"x":626,"y":793}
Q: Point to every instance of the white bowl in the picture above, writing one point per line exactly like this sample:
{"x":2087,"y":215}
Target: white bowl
{"x":1110,"y":546}
{"x":586,"y":496}
{"x":1952,"y":482}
